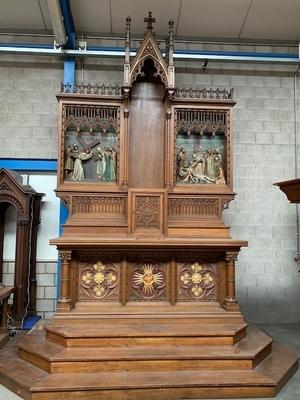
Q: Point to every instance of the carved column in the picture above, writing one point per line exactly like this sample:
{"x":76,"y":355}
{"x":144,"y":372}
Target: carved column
{"x":34,"y":230}
{"x":21,"y":270}
{"x":64,"y":302}
{"x":125,"y":151}
{"x":231,"y":303}
{"x":168,"y":167}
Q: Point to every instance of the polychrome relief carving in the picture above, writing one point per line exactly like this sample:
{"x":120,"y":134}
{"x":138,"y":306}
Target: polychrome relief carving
{"x":197,"y":282}
{"x":99,"y":282}
{"x":91,"y":143}
{"x":147,"y":282}
{"x":201,"y":146}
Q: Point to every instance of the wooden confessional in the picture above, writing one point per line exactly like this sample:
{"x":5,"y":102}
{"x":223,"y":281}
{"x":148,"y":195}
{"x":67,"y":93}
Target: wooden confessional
{"x":147,"y":306}
{"x":27,"y":203}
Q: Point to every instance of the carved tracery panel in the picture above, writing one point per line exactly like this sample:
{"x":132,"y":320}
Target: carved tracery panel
{"x":197,"y":281}
{"x":99,"y":281}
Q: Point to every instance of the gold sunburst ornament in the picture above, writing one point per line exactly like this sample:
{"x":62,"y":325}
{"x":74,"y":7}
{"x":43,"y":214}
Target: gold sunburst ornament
{"x":148,"y":278}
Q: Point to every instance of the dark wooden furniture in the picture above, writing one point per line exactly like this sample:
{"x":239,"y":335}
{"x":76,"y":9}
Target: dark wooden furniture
{"x":5,"y":293}
{"x":291,"y":189}
{"x":27,"y":204}
{"x":147,"y":306}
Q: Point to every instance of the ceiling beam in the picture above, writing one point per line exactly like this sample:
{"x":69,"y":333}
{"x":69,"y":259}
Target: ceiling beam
{"x":68,"y":23}
{"x":115,"y":52}
{"x":57,"y":21}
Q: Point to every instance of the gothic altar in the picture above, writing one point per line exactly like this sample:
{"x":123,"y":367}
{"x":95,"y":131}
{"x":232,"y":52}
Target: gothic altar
{"x":147,"y":306}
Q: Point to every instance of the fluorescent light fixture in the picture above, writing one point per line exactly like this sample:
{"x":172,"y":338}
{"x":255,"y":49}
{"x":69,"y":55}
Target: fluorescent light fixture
{"x":57,"y":21}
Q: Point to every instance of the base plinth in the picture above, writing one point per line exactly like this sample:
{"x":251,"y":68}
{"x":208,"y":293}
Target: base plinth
{"x":139,"y":357}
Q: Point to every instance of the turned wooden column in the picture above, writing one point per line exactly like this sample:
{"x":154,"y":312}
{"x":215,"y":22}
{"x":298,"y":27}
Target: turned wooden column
{"x":231,"y":303}
{"x":64,"y":302}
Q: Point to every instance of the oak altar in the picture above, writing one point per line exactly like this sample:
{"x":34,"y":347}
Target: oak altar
{"x":147,"y":306}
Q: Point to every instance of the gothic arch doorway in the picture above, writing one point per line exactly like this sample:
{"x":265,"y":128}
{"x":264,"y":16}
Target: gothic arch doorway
{"x":26,"y":202}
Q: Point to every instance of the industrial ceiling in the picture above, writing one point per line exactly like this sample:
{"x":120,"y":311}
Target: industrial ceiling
{"x":276,"y":20}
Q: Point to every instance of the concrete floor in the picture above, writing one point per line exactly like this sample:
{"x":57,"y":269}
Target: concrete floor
{"x":287,"y":334}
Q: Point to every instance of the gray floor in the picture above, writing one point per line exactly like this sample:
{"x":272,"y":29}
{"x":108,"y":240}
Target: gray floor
{"x":287,"y":334}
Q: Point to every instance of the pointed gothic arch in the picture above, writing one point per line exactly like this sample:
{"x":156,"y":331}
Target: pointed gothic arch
{"x":26,"y":201}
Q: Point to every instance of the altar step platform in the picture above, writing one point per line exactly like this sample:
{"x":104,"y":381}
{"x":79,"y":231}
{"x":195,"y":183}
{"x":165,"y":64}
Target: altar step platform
{"x":141,"y":358}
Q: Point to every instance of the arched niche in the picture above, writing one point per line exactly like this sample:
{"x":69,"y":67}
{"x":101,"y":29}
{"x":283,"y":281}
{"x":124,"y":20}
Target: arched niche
{"x":26,"y":202}
{"x":147,"y":123}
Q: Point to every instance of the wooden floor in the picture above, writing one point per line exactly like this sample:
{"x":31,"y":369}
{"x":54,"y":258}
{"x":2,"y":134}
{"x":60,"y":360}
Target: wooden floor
{"x":62,"y":363}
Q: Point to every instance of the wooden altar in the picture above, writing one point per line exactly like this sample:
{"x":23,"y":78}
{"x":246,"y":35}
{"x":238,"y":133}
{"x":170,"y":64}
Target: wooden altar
{"x":147,"y":306}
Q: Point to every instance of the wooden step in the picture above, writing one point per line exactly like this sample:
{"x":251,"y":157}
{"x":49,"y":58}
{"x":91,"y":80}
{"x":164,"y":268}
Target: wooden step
{"x":57,"y":359}
{"x":145,"y":334}
{"x":206,"y":313}
{"x":30,"y":382}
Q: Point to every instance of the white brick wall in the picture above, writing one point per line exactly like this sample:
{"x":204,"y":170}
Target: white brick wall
{"x":46,"y":276}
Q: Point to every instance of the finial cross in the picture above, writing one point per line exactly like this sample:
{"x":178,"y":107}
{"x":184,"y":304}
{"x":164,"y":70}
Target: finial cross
{"x":149,"y":21}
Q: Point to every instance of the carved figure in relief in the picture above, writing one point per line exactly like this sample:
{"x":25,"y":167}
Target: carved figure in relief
{"x":209,"y":164}
{"x":110,"y":158}
{"x":184,"y":172}
{"x":220,"y":178}
{"x":203,"y":168}
{"x":69,"y":161}
{"x":198,"y":162}
{"x":100,"y":163}
{"x":79,"y":156}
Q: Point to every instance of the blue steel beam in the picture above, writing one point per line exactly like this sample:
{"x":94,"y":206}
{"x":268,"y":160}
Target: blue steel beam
{"x":69,"y":24}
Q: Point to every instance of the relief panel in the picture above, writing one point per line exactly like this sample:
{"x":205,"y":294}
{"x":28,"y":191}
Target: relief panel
{"x":147,"y":281}
{"x":197,"y":281}
{"x":201,"y":147}
{"x":99,"y":281}
{"x":90,"y":143}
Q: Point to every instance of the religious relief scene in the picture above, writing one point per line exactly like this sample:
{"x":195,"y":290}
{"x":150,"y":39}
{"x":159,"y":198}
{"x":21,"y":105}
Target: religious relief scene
{"x":201,"y":148}
{"x":91,"y":144}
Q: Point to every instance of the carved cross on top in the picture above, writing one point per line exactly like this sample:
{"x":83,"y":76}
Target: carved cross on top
{"x":150,"y":20}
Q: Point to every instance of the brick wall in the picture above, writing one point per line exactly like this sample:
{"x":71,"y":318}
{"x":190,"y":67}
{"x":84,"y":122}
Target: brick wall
{"x":28,"y":108}
{"x":46,"y":276}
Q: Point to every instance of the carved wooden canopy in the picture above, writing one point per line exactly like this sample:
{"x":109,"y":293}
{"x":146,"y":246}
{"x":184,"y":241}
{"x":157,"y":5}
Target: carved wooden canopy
{"x":149,"y":50}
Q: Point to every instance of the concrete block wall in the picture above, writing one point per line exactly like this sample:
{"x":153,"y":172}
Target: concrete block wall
{"x":46,"y":294}
{"x":264,"y":153}
{"x":28,"y":107}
